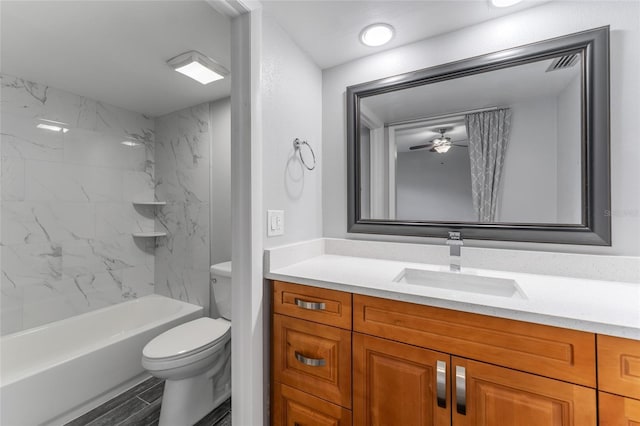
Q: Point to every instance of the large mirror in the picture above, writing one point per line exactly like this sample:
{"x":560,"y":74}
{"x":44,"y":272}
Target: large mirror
{"x":512,"y":145}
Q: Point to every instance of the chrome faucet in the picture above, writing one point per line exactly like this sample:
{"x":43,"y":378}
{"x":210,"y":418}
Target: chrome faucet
{"x":454,"y":242}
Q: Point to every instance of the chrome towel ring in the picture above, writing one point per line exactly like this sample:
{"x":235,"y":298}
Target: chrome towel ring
{"x":297,"y":145}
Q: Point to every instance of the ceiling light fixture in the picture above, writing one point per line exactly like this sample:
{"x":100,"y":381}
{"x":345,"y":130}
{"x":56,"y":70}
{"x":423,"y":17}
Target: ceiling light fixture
{"x":130,"y":143}
{"x":198,"y":66}
{"x":441,"y":149}
{"x":54,"y":126}
{"x":443,"y":143}
{"x":376,"y":34}
{"x":504,"y":3}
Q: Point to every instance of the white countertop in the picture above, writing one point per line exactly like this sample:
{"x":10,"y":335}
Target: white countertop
{"x":594,"y":305}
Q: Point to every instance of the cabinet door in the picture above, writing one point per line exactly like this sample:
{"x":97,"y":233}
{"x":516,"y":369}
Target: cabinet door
{"x":619,"y":366}
{"x":293,"y":407}
{"x":487,"y":395}
{"x":397,"y":384}
{"x":617,"y":410}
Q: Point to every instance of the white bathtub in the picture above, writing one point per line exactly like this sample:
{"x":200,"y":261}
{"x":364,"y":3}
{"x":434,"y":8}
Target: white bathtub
{"x":52,"y":373}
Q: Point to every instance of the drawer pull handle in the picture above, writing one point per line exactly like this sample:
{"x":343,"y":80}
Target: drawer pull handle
{"x":461,"y":390}
{"x":312,"y":362}
{"x":312,"y":306}
{"x":441,"y":383}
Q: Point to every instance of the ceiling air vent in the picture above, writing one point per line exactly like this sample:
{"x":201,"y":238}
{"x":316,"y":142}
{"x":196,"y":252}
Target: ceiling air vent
{"x":563,"y":62}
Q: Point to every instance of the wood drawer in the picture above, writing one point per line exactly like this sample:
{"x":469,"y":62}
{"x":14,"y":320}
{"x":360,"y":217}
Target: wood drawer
{"x":293,"y":407}
{"x":616,"y":410}
{"x":619,"y":366}
{"x":329,"y":307}
{"x":548,"y":351}
{"x":298,"y":345}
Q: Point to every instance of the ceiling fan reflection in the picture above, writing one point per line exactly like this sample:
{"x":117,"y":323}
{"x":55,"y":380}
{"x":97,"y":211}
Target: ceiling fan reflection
{"x":441,"y":144}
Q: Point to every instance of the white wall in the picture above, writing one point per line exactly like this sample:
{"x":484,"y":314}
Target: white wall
{"x":530,"y":164}
{"x":220,"y":180}
{"x":292,"y":108}
{"x":569,"y":146}
{"x":432,"y":185}
{"x":549,"y":20}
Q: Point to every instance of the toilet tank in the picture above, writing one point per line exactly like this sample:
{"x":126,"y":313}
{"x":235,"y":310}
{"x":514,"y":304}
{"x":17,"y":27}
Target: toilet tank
{"x":221,"y":286}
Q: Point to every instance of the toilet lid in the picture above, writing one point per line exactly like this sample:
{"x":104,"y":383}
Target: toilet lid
{"x":186,"y":338}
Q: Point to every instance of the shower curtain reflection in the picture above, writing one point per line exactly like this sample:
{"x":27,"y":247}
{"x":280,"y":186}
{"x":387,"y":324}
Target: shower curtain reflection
{"x":488,"y":136}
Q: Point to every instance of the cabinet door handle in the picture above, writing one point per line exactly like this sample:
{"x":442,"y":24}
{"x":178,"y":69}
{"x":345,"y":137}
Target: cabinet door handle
{"x":313,"y":306}
{"x":441,"y":383}
{"x":461,"y":390}
{"x":312,"y":362}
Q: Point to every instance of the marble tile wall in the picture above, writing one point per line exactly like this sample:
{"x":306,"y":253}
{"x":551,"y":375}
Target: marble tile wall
{"x":182,"y":153}
{"x":66,"y":205}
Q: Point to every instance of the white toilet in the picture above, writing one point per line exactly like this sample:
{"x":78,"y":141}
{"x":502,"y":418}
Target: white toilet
{"x":195,"y":359}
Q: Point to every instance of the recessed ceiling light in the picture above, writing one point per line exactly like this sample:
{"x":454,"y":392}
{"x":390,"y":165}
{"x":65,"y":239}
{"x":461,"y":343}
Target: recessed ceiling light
{"x":199,"y":67}
{"x":376,"y":34}
{"x":504,"y":3}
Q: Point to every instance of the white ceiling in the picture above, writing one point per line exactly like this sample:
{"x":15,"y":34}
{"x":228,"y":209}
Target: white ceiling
{"x":115,"y":51}
{"x":329,"y":30}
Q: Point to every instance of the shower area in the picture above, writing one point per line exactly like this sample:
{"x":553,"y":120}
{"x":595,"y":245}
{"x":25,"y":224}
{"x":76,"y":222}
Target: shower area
{"x":80,"y":208}
{"x":115,"y":179}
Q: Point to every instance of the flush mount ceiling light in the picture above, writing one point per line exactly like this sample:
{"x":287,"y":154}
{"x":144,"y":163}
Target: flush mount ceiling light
{"x":53,"y":126}
{"x":198,"y":66}
{"x":504,"y":3}
{"x":376,"y":34}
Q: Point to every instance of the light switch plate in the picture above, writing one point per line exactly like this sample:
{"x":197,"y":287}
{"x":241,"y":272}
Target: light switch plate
{"x":275,"y":223}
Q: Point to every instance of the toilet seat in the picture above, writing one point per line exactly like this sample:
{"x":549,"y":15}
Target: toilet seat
{"x":188,"y":342}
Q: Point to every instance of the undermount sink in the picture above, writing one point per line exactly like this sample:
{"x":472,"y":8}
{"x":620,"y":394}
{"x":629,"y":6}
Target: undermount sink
{"x":478,"y":284}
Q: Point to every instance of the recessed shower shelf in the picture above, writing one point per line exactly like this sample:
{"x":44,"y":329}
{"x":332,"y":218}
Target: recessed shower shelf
{"x":150,"y":203}
{"x":149,"y":234}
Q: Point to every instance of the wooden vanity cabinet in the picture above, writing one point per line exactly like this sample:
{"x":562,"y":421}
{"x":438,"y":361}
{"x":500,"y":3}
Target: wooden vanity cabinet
{"x":481,"y":391}
{"x":311,"y":356}
{"x":398,"y":363}
{"x":618,"y":381}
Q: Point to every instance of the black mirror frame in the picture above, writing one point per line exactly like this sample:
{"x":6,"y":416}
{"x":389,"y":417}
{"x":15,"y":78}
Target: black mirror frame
{"x":596,"y":199}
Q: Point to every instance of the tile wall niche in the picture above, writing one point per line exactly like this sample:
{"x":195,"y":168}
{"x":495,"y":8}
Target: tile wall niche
{"x":182,"y":143}
{"x":66,"y":212}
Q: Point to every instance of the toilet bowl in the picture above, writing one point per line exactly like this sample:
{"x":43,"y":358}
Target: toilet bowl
{"x":194,"y":358}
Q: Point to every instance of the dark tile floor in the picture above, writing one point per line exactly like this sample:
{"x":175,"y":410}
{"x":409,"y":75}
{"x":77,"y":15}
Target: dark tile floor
{"x":140,"y":406}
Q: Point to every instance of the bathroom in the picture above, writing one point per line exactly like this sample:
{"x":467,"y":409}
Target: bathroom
{"x":288,"y":91}
{"x":142,"y":150}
